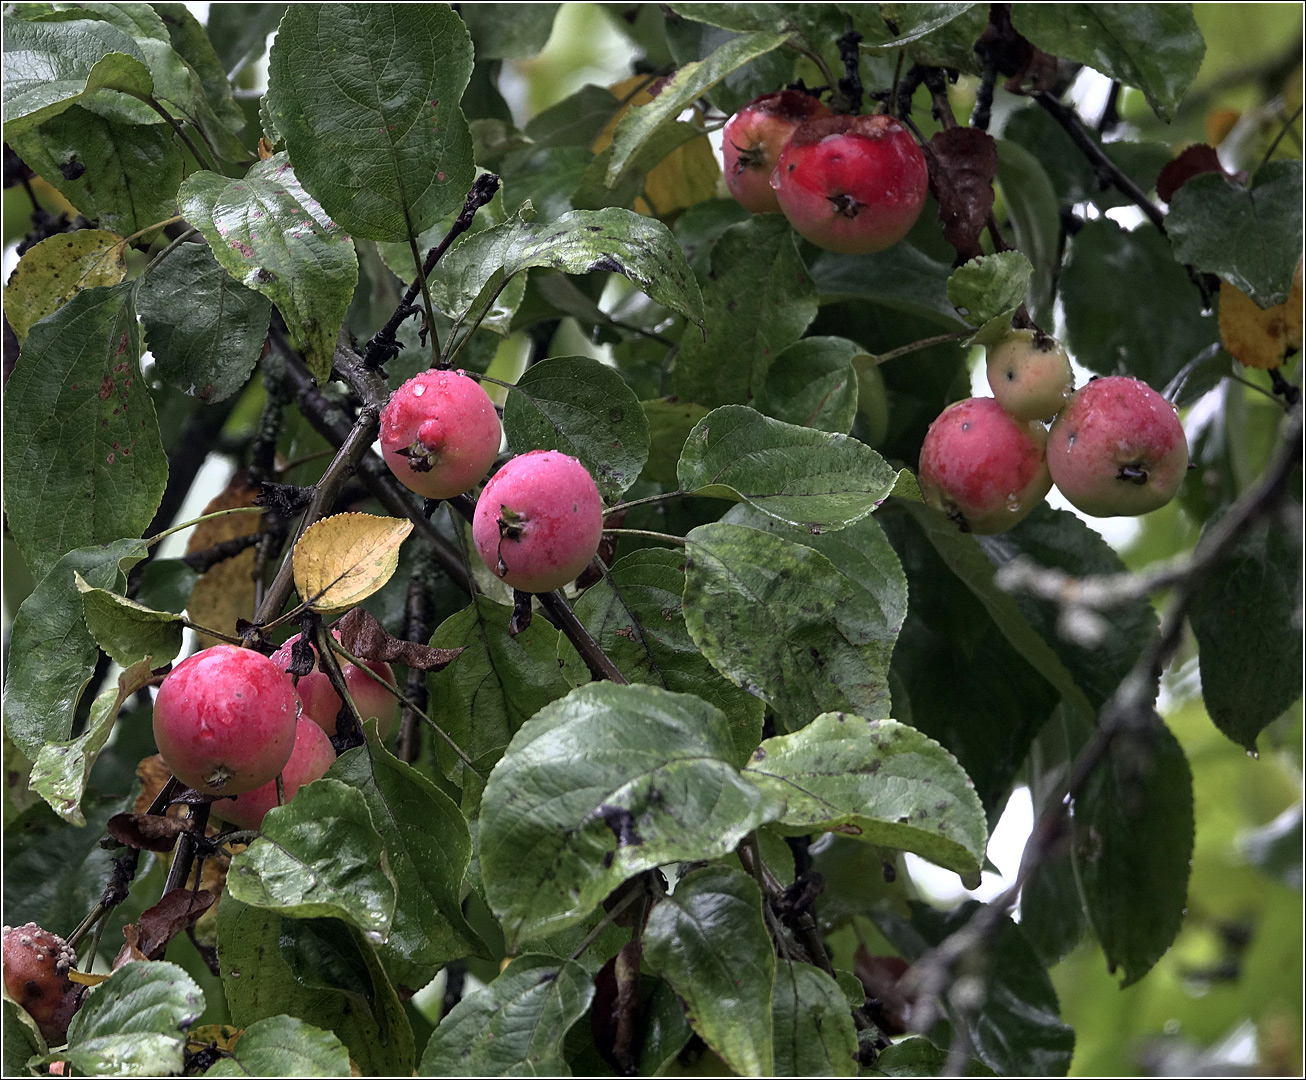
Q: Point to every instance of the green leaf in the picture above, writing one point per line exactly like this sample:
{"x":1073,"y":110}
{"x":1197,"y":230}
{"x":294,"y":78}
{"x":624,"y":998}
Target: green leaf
{"x":687,"y":86}
{"x":52,"y":272}
{"x":690,"y":41}
{"x":779,"y":619}
{"x":759,"y":299}
{"x":739,"y":17}
{"x":284,"y":1046}
{"x":990,"y":286}
{"x":813,"y":384}
{"x":427,"y":849}
{"x":509,"y":31}
{"x":634,"y":613}
{"x":903,"y":278}
{"x":583,"y":408}
{"x":126,"y":630}
{"x":1035,"y":218}
{"x":1156,"y":48}
{"x":83,"y":459}
{"x":1133,"y":846}
{"x":133,"y":1023}
{"x":708,"y":940}
{"x":813,"y":1029}
{"x":50,"y":66}
{"x":1251,"y":236}
{"x":917,"y":21}
{"x":62,"y":769}
{"x":22,"y":1040}
{"x":599,"y":786}
{"x":918,"y":1056}
{"x":51,"y":652}
{"x":191,"y":43}
{"x":319,"y":855}
{"x":239,"y":32}
{"x":965,"y":558}
{"x":1250,"y":655}
{"x":269,"y":235}
{"x":669,"y":424}
{"x":1143,"y":269}
{"x":130,"y":174}
{"x":377,"y":86}
{"x":497,"y":683}
{"x":581,"y":242}
{"x":880,"y":781}
{"x":810,"y":478}
{"x":319,"y":970}
{"x":205,"y":330}
{"x":666,"y":1029}
{"x":515,"y":1026}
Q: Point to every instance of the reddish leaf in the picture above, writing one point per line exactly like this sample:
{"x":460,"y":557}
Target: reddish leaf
{"x":1197,"y":159}
{"x":366,"y":638}
{"x":963,"y":162}
{"x":885,"y":1001}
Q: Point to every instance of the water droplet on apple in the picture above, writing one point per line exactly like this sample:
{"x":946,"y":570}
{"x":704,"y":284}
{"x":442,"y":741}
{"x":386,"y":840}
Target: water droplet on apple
{"x":419,"y":390}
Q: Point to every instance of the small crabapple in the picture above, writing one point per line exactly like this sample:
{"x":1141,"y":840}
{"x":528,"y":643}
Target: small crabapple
{"x":1029,"y":374}
{"x":982,"y":467}
{"x":539,"y":521}
{"x":36,"y":966}
{"x":224,"y":720}
{"x":852,"y":184}
{"x":322,"y":703}
{"x":440,"y":433}
{"x":309,"y":761}
{"x":1118,"y":449}
{"x":752,"y":141}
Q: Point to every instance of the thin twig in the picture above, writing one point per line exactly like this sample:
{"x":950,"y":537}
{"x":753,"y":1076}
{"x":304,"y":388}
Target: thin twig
{"x":180,"y":131}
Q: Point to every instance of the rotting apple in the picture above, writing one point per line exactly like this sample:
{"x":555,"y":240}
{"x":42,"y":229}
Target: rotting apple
{"x":36,"y":966}
{"x":982,"y":467}
{"x":752,"y":141}
{"x":1029,"y":373}
{"x":538,"y":521}
{"x":224,"y":720}
{"x":851,"y":184}
{"x":440,"y":433}
{"x":1118,"y":449}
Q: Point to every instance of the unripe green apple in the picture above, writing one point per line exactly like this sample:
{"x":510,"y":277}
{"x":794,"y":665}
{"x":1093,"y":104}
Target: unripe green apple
{"x":1029,"y":373}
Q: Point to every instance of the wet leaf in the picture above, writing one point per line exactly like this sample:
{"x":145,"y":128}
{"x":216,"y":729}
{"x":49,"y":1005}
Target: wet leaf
{"x":342,"y":560}
{"x":54,"y":271}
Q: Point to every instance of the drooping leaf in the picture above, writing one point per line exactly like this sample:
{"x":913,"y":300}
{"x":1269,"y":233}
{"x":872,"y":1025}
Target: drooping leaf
{"x":726,"y":991}
{"x":1133,"y":843}
{"x":83,"y":460}
{"x":813,"y":1028}
{"x":607,"y":782}
{"x":515,"y":1026}
{"x":813,"y":384}
{"x":1250,"y":235}
{"x":585,"y":409}
{"x":634,"y":613}
{"x":284,"y":1046}
{"x":269,"y":235}
{"x":133,"y":1023}
{"x":810,"y":478}
{"x":205,"y":329}
{"x":319,"y":970}
{"x":342,"y":560}
{"x":48,"y":67}
{"x":779,"y":619}
{"x":124,"y":175}
{"x":759,"y":299}
{"x":499,"y":682}
{"x":880,"y":781}
{"x":1144,"y":269}
{"x":1154,"y":47}
{"x":427,"y":848}
{"x":126,"y":630}
{"x":61,"y":769}
{"x":1035,"y":218}
{"x":387,"y":103}
{"x":963,"y":162}
{"x":319,"y":855}
{"x":1249,"y":653}
{"x":54,"y":271}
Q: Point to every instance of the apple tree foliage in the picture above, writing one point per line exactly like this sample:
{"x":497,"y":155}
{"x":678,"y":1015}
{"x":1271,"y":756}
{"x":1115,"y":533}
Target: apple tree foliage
{"x":660,"y":822}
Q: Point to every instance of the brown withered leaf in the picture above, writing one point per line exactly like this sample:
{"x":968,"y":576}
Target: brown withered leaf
{"x":175,"y":911}
{"x":1197,"y":159}
{"x":963,"y":163}
{"x":149,"y":832}
{"x":366,"y":638}
{"x":131,"y":949}
{"x":153,"y":774}
{"x":886,"y":1003}
{"x":225,"y":592}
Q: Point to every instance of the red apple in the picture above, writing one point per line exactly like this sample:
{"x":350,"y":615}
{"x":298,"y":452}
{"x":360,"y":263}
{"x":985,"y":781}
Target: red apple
{"x":753,"y":139}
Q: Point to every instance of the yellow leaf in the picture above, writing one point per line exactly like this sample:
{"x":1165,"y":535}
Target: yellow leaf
{"x":342,"y":560}
{"x":85,"y":979}
{"x":54,"y":271}
{"x":1261,"y":337}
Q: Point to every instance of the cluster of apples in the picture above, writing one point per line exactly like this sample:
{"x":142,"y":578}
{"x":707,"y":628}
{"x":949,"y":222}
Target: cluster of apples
{"x":852,"y":184}
{"x":1115,"y":448}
